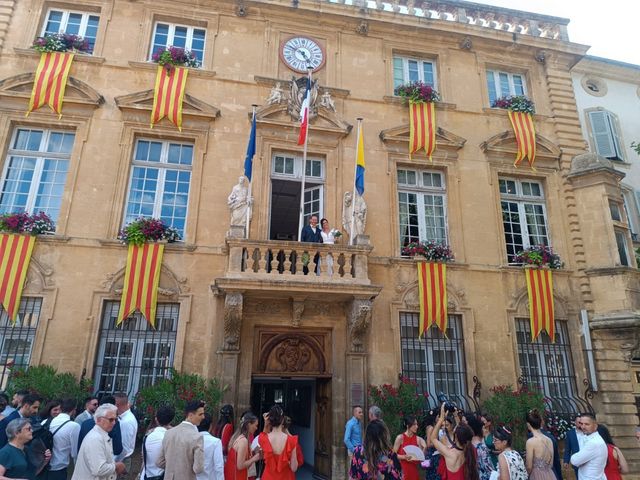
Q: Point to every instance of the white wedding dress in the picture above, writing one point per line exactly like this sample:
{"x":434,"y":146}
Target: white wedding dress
{"x":328,"y":239}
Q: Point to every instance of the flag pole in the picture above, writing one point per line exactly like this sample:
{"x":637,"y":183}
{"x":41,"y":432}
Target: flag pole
{"x":249,"y":202}
{"x":304,"y":159}
{"x":355,"y":192}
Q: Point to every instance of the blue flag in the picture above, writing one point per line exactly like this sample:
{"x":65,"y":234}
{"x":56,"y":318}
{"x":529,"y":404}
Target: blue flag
{"x":251,"y":150}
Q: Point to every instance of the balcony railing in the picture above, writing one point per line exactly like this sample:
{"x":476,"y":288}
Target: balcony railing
{"x":296,"y":261}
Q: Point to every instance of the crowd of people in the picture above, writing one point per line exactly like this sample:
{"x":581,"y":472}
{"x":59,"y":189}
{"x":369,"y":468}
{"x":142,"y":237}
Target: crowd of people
{"x":53,"y":442}
{"x":99,"y":442}
{"x":458,"y":446}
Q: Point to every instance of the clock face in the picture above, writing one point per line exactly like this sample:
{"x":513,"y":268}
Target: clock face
{"x":300,"y":53}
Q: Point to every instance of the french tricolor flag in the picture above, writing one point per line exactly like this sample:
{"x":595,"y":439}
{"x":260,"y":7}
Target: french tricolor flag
{"x":304,"y":114}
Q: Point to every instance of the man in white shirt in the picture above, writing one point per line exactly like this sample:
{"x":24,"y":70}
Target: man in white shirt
{"x":213,"y":459}
{"x":90,"y":405}
{"x":182,"y":455}
{"x":65,"y":441}
{"x":129,"y":429}
{"x":152,"y":444}
{"x":95,"y":458}
{"x":592,"y":457}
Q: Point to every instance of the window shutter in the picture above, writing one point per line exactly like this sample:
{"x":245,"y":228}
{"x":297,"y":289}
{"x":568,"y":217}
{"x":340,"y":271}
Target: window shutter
{"x":615,"y":134}
{"x":398,"y":72}
{"x":602,"y":137}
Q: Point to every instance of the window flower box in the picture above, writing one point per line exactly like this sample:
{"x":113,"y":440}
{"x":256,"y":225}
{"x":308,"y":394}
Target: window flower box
{"x":145,"y":230}
{"x":36,"y":224}
{"x":539,"y":256}
{"x":431,"y":251}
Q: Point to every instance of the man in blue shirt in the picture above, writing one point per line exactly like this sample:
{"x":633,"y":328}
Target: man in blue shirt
{"x":353,"y":430}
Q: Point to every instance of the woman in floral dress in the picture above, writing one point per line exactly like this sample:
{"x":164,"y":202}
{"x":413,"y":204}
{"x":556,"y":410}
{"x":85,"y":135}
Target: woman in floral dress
{"x":485,"y":467}
{"x":374,"y":459}
{"x":510,"y":463}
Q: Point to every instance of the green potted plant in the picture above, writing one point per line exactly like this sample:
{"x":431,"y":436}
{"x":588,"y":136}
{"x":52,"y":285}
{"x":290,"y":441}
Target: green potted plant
{"x":144,"y":230}
{"x":431,"y":251}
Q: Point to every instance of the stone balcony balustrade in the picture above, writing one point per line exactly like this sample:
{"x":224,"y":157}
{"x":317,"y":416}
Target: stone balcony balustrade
{"x":296,"y":267}
{"x":295,"y":261}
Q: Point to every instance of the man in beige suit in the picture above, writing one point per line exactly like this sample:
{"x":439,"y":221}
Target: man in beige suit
{"x":182,"y":455}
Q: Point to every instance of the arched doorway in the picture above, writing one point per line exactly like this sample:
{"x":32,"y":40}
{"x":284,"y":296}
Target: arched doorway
{"x":293,"y":368}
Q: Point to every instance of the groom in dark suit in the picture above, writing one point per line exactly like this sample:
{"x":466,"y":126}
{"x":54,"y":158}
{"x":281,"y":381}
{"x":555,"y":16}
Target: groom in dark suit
{"x":311,"y":233}
{"x":572,"y":444}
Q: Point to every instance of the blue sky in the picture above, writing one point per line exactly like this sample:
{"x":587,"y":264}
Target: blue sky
{"x":610,"y":27}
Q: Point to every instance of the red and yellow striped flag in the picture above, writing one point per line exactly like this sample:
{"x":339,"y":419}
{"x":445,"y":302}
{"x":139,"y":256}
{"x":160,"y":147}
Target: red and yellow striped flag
{"x":540,"y":289}
{"x":141,"y":278}
{"x":422,"y":127}
{"x":15,"y":255}
{"x":432,"y":285}
{"x":168,"y":95}
{"x":525,"y":132}
{"x":51,"y":81}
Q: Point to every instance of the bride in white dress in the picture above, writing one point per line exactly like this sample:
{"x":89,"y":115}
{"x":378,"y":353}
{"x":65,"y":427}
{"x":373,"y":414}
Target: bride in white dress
{"x":327,"y":239}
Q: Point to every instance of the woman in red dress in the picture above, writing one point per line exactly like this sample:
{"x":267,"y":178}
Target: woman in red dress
{"x":409,"y":437}
{"x":278,"y":448}
{"x":224,"y":428}
{"x":459,"y":459}
{"x":616,"y":463}
{"x":239,"y":458}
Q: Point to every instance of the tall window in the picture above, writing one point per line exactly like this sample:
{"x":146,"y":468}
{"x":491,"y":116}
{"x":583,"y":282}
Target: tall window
{"x":160,"y":180}
{"x":286,"y":178}
{"x":35,"y":171}
{"x":500,"y":84}
{"x":16,"y":341}
{"x":407,"y":70}
{"x":134,"y":355}
{"x":77,"y":23}
{"x":621,"y":244}
{"x":422,"y":202}
{"x":435,"y":362}
{"x":547,"y":365}
{"x":524,"y":216}
{"x":605,"y":134}
{"x":190,"y":38}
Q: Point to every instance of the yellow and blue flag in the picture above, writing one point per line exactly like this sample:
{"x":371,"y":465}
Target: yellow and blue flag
{"x":360,"y":162}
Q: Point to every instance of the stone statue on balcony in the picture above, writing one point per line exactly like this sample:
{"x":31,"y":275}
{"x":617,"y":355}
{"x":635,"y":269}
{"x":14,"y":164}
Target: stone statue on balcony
{"x":354,"y":212}
{"x":239,"y":203}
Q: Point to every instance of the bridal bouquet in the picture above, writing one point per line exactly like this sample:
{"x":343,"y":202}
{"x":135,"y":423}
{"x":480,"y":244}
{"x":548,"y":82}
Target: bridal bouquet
{"x":336,"y":233}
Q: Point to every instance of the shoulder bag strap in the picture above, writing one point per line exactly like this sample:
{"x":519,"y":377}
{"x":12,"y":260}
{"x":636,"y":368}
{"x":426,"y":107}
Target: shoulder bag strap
{"x":54,"y":433}
{"x":144,"y":455}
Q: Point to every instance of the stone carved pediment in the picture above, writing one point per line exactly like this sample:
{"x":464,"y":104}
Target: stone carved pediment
{"x":77,"y":91}
{"x":143,"y":100}
{"x":38,"y":277}
{"x":561,"y":304}
{"x":282,"y":107}
{"x":170,"y":285}
{"x":298,"y":353}
{"x":410,"y":297}
{"x":447,"y":142}
{"x":505,"y":144}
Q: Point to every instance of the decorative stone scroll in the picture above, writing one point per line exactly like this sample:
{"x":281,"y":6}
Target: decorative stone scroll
{"x":232,"y":320}
{"x":358,"y":322}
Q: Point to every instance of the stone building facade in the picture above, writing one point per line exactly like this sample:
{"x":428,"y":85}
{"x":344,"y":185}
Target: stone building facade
{"x":235,"y":307}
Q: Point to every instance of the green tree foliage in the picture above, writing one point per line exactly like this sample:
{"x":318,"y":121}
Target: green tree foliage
{"x":509,"y":407}
{"x":177,"y":391}
{"x":48,"y":383}
{"x":397,"y":402}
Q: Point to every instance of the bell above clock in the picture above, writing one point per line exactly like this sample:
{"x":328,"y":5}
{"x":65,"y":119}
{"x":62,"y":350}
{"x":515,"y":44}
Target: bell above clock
{"x":299,"y":53}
